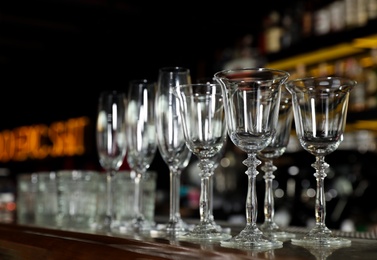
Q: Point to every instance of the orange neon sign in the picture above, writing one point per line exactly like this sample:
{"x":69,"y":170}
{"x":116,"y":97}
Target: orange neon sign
{"x":62,"y":138}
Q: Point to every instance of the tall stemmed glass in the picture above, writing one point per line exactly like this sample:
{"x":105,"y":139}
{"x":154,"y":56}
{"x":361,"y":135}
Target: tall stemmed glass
{"x":141,"y":141}
{"x":203,"y":120}
{"x":320,"y":109}
{"x":111,"y":144}
{"x":252,"y":97}
{"x":215,"y":160}
{"x":274,"y":150}
{"x":171,"y":143}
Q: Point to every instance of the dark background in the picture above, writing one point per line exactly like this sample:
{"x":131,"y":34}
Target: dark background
{"x":57,"y":55}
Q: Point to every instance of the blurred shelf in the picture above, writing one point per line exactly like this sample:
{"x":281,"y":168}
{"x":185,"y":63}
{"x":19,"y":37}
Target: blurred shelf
{"x":325,"y":48}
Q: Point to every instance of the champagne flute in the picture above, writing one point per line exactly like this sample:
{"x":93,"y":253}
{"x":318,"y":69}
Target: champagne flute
{"x":141,"y":142}
{"x":274,"y":150}
{"x":203,"y":120}
{"x":320,"y":109}
{"x":252,"y":97}
{"x":111,"y":145}
{"x":171,"y":143}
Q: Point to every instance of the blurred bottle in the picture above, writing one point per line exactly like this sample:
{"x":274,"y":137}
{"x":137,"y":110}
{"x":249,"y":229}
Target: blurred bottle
{"x":307,"y":20}
{"x":322,"y":22}
{"x":274,"y":32}
{"x":372,"y":9}
{"x":337,"y":18}
{"x":357,"y":95}
{"x":245,"y":56}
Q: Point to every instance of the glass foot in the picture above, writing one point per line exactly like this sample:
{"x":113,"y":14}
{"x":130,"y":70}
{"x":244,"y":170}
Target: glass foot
{"x":219,"y":228}
{"x":251,"y":237}
{"x":321,"y":241}
{"x":320,"y":235}
{"x":272,"y":230}
{"x":170,"y":230}
{"x":205,"y":232}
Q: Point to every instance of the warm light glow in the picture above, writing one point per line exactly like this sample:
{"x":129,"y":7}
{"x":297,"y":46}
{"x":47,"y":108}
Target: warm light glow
{"x":62,"y":138}
{"x":315,"y":57}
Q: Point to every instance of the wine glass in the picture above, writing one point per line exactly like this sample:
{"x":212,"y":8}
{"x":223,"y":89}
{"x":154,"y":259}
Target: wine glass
{"x":203,"y":120}
{"x":171,"y":143}
{"x":252,"y":97}
{"x":274,"y":150}
{"x":111,"y":145}
{"x":141,"y":142}
{"x":320,"y":109}
{"x":215,"y":160}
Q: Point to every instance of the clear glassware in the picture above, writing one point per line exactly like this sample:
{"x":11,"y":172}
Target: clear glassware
{"x":274,"y":150}
{"x":252,"y":97}
{"x":216,"y":160}
{"x":141,"y":142}
{"x":203,"y":120}
{"x":320,"y":109}
{"x":171,"y":143}
{"x":111,"y":145}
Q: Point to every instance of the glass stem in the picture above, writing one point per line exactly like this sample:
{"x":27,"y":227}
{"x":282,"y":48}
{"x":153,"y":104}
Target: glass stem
{"x":175,"y":182}
{"x":320,"y":203}
{"x":269,"y":202}
{"x":204,"y":204}
{"x":138,"y":197}
{"x":251,"y":199}
{"x":109,"y":198}
{"x":210,"y":197}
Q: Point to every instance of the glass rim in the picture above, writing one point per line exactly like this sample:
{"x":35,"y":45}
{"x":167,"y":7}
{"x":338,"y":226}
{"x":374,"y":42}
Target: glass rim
{"x":345,"y":84}
{"x":198,"y":84}
{"x":323,"y":78}
{"x":248,"y":72}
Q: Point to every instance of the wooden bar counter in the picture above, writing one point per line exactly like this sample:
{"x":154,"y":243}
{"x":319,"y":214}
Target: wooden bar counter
{"x":23,"y":242}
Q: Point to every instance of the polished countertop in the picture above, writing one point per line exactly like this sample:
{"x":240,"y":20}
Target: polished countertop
{"x":31,"y":242}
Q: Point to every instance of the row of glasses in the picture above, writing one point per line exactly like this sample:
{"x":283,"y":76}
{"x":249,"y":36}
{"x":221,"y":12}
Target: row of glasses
{"x":126,"y":130}
{"x":251,"y":99}
{"x":319,"y":110}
